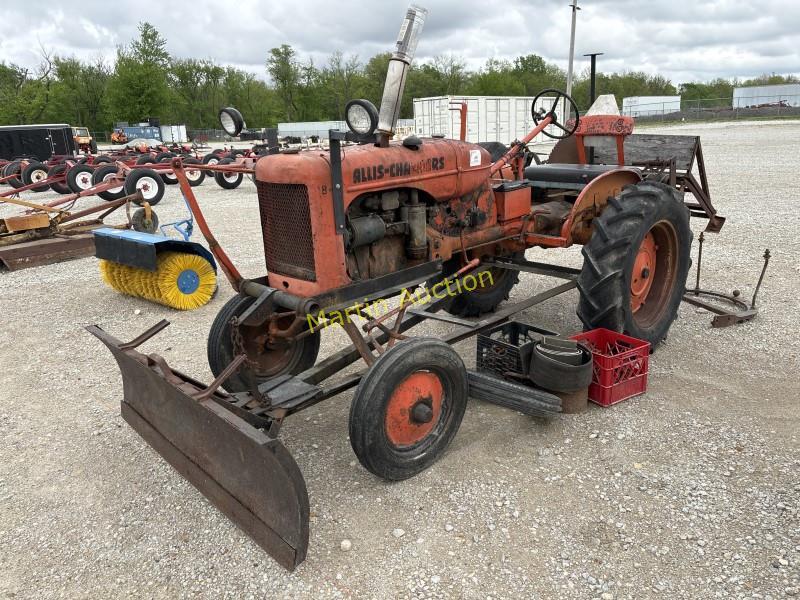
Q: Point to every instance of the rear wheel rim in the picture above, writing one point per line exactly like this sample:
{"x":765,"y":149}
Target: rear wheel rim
{"x":270,"y":358}
{"x":38,"y":175}
{"x":415,"y":409}
{"x":654,"y":274}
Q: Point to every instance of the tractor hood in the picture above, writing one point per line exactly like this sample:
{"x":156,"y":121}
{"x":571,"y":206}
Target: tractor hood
{"x":441,"y":168}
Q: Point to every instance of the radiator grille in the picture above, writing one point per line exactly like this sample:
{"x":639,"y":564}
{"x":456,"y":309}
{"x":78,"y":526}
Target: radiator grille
{"x":286,"y":225}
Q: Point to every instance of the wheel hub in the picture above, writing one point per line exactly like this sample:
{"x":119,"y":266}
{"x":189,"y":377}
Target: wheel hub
{"x":643,"y":271}
{"x":414,"y":408}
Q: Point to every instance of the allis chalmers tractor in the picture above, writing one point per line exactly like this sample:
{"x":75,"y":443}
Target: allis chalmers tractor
{"x":369,"y":219}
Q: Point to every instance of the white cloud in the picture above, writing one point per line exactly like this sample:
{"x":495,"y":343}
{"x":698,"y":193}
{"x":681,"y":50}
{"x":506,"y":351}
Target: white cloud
{"x":682,"y":39}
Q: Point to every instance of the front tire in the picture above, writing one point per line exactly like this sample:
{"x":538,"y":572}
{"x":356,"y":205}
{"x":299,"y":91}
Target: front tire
{"x":282,"y":358}
{"x":636,"y":263}
{"x":407,"y":408}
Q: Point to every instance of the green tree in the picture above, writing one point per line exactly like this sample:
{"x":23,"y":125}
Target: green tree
{"x":285,"y":72}
{"x":139,"y":86}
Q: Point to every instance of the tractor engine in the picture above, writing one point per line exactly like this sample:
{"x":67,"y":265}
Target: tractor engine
{"x":398,"y":202}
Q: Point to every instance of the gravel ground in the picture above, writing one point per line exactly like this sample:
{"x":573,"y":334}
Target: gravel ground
{"x":689,"y":491}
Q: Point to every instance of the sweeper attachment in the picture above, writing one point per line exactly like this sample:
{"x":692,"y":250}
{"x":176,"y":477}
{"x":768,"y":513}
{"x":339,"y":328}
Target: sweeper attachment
{"x":175,"y":273}
{"x":378,"y":239}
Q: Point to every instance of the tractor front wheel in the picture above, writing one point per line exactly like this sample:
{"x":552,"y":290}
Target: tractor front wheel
{"x":266,"y":358}
{"x":636,"y":263}
{"x":408,"y":407}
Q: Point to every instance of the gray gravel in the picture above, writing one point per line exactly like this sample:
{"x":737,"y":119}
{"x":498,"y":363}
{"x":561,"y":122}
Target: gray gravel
{"x":689,"y":491}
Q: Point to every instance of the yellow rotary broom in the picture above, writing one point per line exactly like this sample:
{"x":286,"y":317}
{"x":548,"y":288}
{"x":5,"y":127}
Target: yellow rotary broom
{"x":175,"y":273}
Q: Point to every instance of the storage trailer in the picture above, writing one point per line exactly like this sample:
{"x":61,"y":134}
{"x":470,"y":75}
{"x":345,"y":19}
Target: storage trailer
{"x":36,"y":141}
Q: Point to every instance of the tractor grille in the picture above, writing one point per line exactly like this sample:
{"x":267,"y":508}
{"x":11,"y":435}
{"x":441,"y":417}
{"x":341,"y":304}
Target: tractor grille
{"x":286,"y":225}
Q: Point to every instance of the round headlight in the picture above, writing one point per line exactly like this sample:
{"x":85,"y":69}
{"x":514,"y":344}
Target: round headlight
{"x":361,"y":117}
{"x":231,"y":120}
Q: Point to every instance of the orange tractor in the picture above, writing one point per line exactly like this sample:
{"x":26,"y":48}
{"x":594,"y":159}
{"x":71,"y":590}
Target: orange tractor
{"x":374,"y":220}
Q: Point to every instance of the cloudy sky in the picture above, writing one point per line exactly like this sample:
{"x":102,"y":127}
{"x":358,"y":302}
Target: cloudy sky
{"x":686,"y":40}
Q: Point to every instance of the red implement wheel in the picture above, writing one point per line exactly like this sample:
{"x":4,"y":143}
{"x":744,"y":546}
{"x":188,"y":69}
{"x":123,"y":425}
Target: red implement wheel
{"x":33,"y":173}
{"x":79,"y":178}
{"x":408,"y":407}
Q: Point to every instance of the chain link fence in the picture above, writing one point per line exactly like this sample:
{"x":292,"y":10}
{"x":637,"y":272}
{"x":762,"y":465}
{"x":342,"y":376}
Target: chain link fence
{"x":710,"y":109}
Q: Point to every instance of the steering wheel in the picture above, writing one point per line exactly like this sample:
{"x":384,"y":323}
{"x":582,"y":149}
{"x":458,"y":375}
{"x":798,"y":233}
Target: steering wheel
{"x":571,"y":124}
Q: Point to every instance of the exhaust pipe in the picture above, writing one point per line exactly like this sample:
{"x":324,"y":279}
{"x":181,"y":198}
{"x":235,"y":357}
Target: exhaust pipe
{"x":398,"y":69}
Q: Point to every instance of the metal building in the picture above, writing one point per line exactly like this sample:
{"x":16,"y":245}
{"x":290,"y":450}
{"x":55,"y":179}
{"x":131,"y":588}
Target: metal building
{"x":760,"y":95}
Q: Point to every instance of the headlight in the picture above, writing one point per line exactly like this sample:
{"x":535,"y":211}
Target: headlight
{"x":231,"y":121}
{"x":361,"y":117}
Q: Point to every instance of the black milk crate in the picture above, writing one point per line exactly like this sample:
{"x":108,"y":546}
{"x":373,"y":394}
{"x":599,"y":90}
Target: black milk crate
{"x":507,"y":348}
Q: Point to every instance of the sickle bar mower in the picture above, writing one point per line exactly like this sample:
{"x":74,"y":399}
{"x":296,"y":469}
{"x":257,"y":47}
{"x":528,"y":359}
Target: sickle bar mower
{"x":440,"y":228}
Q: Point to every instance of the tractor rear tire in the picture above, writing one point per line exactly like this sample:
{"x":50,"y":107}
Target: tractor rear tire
{"x":408,"y":407}
{"x":272,"y":362}
{"x":482,"y":299}
{"x":636,"y":262}
{"x":34,"y":172}
{"x":495,"y":149}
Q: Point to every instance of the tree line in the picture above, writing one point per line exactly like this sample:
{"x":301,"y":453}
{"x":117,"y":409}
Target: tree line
{"x":146,"y":81}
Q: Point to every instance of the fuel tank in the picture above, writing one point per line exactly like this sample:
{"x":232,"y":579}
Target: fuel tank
{"x":304,"y":255}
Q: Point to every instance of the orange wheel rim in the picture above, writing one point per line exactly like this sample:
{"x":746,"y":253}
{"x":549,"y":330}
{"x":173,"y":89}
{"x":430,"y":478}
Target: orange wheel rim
{"x":644,"y":271}
{"x":414,"y":409}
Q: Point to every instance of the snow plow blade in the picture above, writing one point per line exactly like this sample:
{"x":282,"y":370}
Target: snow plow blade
{"x":247,"y":475}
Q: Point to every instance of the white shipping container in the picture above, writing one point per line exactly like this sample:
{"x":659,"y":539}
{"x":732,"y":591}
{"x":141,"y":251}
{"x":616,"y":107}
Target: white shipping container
{"x":642,"y":106}
{"x":489,"y":118}
{"x":174,"y":134}
{"x":788,"y":94}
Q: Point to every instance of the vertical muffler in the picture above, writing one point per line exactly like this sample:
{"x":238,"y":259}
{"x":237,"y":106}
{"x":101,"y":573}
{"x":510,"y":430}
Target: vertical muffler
{"x":399,"y":65}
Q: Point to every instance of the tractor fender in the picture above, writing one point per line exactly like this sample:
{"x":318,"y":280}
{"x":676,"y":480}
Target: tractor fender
{"x":577,"y":228}
{"x":138,"y":249}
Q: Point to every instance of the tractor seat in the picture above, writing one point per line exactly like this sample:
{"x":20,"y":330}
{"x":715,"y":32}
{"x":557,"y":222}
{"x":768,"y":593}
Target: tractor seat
{"x":566,"y":173}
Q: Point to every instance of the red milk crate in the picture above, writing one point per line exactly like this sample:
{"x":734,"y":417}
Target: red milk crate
{"x":620,"y":364}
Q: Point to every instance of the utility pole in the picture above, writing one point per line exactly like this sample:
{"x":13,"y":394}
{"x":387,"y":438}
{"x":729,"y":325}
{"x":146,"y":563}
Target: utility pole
{"x":575,"y":10}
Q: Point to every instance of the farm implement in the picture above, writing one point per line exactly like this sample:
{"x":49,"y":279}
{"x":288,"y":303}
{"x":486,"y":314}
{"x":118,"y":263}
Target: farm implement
{"x":374,"y":222}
